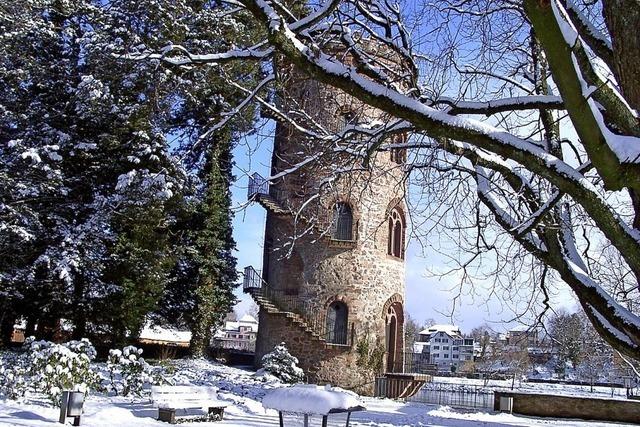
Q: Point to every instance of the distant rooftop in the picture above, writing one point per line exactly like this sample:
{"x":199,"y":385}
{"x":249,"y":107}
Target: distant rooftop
{"x":247,"y":319}
{"x":449,"y":329}
{"x":158,"y":333}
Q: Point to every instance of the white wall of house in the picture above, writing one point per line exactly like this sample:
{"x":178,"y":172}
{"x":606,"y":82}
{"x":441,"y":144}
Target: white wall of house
{"x":446,"y":346}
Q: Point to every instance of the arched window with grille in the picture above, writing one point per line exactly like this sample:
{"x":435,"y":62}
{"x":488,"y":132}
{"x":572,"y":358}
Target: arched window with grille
{"x":395,"y":244}
{"x":399,"y":155}
{"x":342,"y":222}
{"x":337,"y":320}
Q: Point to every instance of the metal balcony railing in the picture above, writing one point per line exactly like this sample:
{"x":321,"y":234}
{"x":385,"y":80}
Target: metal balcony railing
{"x":252,"y":279}
{"x":257,"y":185}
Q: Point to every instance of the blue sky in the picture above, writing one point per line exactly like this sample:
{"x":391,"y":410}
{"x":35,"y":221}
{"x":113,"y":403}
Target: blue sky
{"x":427,"y":296}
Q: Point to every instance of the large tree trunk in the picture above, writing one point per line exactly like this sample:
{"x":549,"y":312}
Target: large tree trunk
{"x":620,"y":16}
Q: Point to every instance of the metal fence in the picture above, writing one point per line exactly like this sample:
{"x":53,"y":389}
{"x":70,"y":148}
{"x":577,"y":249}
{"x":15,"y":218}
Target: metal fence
{"x":414,"y":363}
{"x":456,"y":395}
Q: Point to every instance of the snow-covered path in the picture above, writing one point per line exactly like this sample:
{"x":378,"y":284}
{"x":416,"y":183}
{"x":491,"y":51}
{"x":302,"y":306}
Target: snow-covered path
{"x":244,"y":393}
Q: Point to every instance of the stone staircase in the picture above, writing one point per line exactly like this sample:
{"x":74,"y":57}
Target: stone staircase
{"x":400,"y":385}
{"x":270,"y":203}
{"x":260,"y":191}
{"x":288,"y":307}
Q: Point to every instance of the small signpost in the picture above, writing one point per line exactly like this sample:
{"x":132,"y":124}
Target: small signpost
{"x":71,"y":404}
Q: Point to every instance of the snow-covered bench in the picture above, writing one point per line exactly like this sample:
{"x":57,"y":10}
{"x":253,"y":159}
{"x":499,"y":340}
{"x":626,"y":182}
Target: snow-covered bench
{"x":310,"y":400}
{"x":183,"y":401}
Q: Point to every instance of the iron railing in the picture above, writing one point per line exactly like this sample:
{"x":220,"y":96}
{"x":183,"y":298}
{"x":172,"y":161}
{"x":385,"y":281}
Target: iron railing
{"x":313,"y":315}
{"x":456,"y":395}
{"x":257,"y":185}
{"x":396,"y":387}
{"x":414,"y":363}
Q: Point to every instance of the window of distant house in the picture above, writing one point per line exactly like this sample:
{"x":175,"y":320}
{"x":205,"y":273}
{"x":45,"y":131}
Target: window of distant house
{"x":455,"y":356}
{"x":342,"y":222}
{"x":436,"y":347}
{"x":446,"y":356}
{"x":446,"y":347}
{"x":396,"y":234}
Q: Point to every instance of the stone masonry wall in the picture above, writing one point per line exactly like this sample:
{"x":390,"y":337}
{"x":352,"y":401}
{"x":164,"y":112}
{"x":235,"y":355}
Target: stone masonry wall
{"x":303,"y":261}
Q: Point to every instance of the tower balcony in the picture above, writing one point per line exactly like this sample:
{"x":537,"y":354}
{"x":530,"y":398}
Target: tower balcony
{"x":266,"y":195}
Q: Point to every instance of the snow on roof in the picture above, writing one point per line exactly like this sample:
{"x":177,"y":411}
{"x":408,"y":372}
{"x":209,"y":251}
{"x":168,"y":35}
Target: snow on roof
{"x":159,"y":333}
{"x":311,"y":399}
{"x":449,"y":329}
{"x":247,"y":318}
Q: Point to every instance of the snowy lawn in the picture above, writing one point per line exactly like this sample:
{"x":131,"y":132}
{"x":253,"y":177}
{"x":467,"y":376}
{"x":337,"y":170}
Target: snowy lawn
{"x":244,"y":391}
{"x":541,"y":388}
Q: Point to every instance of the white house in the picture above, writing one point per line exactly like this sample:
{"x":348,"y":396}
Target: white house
{"x":238,"y":335}
{"x":448,"y":349}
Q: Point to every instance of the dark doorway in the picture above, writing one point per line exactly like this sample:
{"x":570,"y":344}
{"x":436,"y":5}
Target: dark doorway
{"x":337,"y":318}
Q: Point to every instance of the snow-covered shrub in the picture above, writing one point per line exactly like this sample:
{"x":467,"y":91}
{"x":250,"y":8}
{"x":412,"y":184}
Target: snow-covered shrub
{"x":52,"y":367}
{"x":13,"y":384}
{"x":281,"y":364}
{"x":129,"y":372}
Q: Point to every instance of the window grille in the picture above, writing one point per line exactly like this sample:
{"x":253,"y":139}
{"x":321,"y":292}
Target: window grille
{"x":343,"y":222}
{"x":337,"y":320}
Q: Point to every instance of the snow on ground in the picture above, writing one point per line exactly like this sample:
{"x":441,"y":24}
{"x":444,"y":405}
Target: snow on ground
{"x":244,"y":391}
{"x":542,"y":388}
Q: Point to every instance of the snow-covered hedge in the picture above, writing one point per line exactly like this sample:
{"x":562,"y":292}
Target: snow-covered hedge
{"x":12,"y":375}
{"x":281,"y":364}
{"x":56,"y":367}
{"x":128,"y":371}
{"x":48,"y":368}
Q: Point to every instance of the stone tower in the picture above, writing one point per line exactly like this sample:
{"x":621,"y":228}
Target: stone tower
{"x":332,"y":281}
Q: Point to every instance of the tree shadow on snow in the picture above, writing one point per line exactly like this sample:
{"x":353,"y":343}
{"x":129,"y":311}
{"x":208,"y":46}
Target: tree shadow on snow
{"x":417,"y":414}
{"x":139,"y":409}
{"x":25,"y":416}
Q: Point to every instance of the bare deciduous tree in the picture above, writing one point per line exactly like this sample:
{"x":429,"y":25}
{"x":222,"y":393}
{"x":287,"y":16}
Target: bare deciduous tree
{"x":523,"y":115}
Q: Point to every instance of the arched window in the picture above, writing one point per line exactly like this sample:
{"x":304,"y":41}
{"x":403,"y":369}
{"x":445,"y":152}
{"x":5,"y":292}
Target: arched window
{"x":394,"y":332}
{"x":395,"y":245}
{"x":342,"y":222}
{"x":337,"y":317}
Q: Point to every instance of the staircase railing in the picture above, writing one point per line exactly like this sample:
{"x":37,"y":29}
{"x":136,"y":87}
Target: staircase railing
{"x":310,"y":313}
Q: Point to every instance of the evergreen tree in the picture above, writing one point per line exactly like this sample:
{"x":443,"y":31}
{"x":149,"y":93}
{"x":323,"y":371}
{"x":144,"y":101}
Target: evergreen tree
{"x":97,"y":219}
{"x":214,"y":244}
{"x":82,"y":158}
{"x":281,"y":364}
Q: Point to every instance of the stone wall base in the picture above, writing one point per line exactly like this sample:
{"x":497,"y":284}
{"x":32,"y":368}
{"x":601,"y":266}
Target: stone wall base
{"x":543,"y":405}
